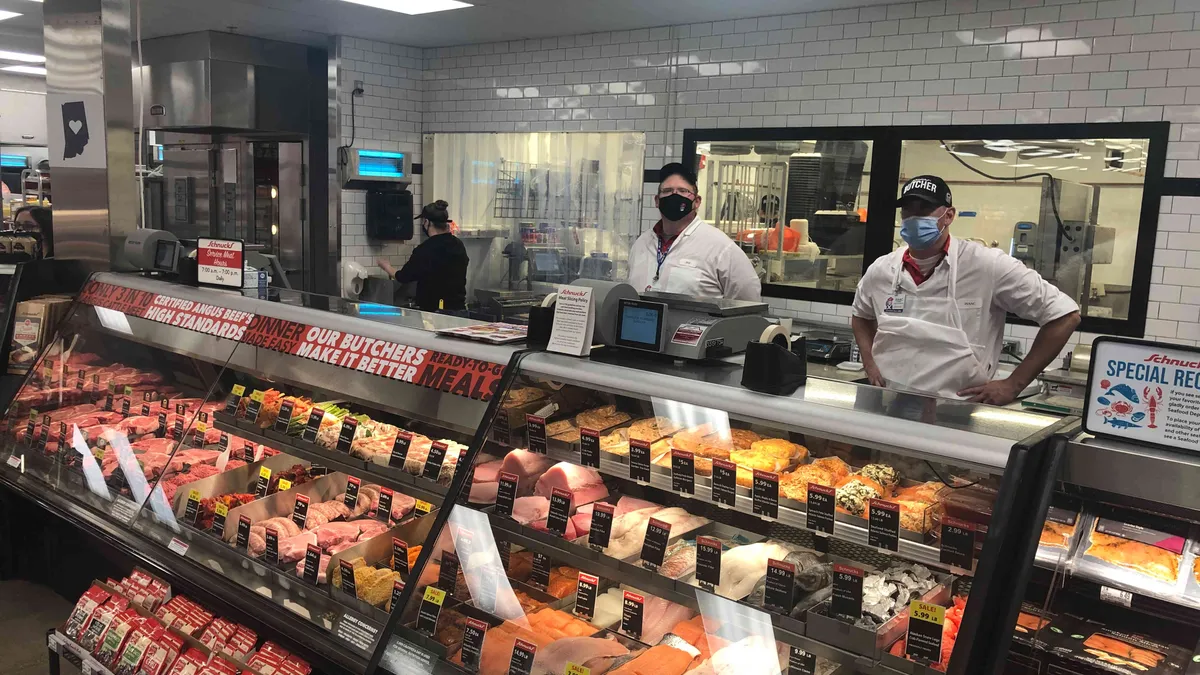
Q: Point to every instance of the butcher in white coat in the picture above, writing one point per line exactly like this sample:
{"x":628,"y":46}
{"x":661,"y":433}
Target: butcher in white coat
{"x":929,"y":317}
{"x":685,"y":255}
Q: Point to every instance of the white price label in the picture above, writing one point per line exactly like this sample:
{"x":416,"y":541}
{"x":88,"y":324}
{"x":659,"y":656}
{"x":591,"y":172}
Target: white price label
{"x":1116,"y":596}
{"x":14,"y":461}
{"x":178,"y":546}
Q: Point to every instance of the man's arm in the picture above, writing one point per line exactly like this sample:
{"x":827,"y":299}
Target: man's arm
{"x":1048,"y":344}
{"x":864,"y":335}
{"x":739,"y":281}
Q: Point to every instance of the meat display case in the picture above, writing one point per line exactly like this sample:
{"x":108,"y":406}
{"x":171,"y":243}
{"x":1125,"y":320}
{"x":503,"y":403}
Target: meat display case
{"x":198,"y":432}
{"x":631,"y":516}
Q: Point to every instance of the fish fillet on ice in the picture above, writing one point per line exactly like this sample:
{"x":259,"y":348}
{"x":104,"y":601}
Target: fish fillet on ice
{"x":742,"y":567}
{"x":660,"y":616}
{"x":630,"y":542}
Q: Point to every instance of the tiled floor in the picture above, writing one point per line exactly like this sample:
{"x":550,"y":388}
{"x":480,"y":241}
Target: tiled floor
{"x":27,"y":611}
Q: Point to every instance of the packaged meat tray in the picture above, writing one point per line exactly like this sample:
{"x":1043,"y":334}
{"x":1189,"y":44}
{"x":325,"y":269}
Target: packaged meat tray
{"x":1060,"y":532}
{"x":1077,"y":645}
{"x":1134,"y":557}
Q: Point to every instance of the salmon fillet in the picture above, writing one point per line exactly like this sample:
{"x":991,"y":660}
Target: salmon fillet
{"x":1149,"y":560}
{"x":1056,"y":534}
{"x":1124,"y":650}
{"x":659,"y":660}
{"x":1030,"y":622}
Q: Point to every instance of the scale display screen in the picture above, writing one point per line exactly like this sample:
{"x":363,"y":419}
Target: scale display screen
{"x":640,"y":324}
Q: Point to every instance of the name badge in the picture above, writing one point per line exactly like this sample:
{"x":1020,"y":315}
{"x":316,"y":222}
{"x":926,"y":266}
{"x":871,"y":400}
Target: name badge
{"x":970,"y":303}
{"x":894,"y":304}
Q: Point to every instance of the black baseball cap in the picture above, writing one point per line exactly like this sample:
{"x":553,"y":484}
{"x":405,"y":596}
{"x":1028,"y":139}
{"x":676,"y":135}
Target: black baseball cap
{"x":678,"y":169}
{"x":928,"y":189}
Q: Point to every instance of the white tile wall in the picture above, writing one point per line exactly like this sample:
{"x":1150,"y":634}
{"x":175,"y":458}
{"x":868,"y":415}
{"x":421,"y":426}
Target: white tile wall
{"x":928,"y":62}
{"x":387,"y":117}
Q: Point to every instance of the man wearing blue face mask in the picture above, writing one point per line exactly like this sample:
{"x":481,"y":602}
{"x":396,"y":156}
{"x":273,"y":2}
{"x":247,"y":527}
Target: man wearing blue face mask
{"x":930,"y":317}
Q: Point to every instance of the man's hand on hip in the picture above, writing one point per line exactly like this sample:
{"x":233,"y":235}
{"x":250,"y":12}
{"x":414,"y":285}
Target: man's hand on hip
{"x":996,"y":392}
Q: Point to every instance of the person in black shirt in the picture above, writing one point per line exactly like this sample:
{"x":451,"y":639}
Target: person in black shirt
{"x":438,"y":264}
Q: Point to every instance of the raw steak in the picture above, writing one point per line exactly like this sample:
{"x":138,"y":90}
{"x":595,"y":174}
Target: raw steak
{"x":527,"y":466}
{"x":336,"y":533}
{"x":294,"y":548}
{"x":321,"y":566}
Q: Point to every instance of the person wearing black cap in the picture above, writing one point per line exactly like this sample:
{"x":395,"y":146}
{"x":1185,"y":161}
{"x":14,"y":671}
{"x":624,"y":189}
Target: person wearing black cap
{"x":438,"y":264}
{"x":929,"y":317}
{"x":685,"y":255}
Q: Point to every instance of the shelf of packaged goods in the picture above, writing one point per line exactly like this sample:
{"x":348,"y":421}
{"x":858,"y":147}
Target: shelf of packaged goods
{"x":792,"y":516}
{"x":1091,"y":586}
{"x":396,"y":479}
{"x":73,"y":653}
{"x":189,"y":573}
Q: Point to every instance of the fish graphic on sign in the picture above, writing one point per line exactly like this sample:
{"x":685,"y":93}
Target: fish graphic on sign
{"x":75,"y":129}
{"x":1121,"y":405}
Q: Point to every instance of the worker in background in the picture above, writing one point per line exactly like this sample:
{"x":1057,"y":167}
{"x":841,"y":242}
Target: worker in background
{"x":929,"y":317}
{"x":438,"y":265}
{"x":685,"y":255}
{"x":37,"y":219}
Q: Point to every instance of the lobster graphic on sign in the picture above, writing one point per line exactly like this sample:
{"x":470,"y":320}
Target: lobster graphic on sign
{"x":1121,"y":405}
{"x":1152,"y":403}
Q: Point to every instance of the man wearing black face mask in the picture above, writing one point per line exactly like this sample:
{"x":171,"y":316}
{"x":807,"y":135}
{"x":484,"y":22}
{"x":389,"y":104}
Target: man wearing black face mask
{"x":685,"y":255}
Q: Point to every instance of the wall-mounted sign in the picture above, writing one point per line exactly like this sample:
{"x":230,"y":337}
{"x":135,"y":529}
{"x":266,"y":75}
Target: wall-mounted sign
{"x":1144,"y":391}
{"x":219,"y":262}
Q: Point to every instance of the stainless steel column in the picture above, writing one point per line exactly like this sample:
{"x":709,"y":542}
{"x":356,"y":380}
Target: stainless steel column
{"x":88,"y":59}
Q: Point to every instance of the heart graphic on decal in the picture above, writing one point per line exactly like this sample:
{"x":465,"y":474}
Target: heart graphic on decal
{"x":75,"y":125}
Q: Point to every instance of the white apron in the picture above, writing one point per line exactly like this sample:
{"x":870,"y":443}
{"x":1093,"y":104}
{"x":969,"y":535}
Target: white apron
{"x":921,"y":346}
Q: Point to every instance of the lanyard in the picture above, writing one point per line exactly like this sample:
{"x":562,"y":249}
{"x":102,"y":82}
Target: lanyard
{"x":662,"y":255}
{"x":952,"y":289}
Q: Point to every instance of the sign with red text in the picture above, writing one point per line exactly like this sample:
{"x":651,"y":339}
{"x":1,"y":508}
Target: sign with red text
{"x":219,"y":262}
{"x":574,"y":322}
{"x":187,"y":314}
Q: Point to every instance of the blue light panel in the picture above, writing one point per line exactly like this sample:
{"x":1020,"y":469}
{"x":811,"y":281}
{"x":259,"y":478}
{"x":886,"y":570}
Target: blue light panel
{"x":381,"y":164}
{"x":14,"y":161}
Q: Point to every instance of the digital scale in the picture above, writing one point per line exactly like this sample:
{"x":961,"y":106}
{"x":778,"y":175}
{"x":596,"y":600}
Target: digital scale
{"x":690,"y":328}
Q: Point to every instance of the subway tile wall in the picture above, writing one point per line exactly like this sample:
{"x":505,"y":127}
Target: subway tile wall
{"x":930,"y":62}
{"x":387,"y":117}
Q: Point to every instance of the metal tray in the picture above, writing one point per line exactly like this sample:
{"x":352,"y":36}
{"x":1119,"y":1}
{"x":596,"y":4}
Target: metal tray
{"x":852,"y":638}
{"x":241,"y":479}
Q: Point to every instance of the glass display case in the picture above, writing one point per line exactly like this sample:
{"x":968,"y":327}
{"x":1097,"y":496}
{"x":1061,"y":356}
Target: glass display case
{"x":254,"y":449}
{"x":628,"y":516}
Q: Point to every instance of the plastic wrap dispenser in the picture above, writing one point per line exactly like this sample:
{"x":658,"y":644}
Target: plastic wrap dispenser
{"x":541,"y":322}
{"x":772,"y":368}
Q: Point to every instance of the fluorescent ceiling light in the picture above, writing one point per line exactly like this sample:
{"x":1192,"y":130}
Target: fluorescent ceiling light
{"x":28,"y":70}
{"x":413,"y":6}
{"x":21,"y":56}
{"x":8,"y":15}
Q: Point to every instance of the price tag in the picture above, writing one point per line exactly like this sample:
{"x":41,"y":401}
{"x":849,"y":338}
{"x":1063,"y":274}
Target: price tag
{"x":272,"y":552}
{"x":639,"y":460}
{"x":383,"y":511}
{"x":243,"y":532}
{"x":95,"y":383}
{"x":585,"y":595}
{"x":177,"y":432}
{"x":350,"y":499}
{"x":220,"y":513}
{"x":248,"y":453}
{"x":284,"y":419}
{"x":576,"y":669}
{"x":541,"y":571}
{"x":683,"y":472}
{"x":397,"y":589}
{"x":312,"y":563}
{"x":708,"y":562}
{"x":62,"y":435}
{"x":316,"y":470}
{"x":423,"y":508}
{"x":820,"y":508}
{"x":199,"y":431}
{"x":400,"y":556}
{"x":284,"y":485}
{"x":14,"y":461}
{"x":235,"y":399}
{"x":145,"y":410}
{"x":1116,"y":596}
{"x":448,"y":572}
{"x":472,"y":646}
{"x":602,"y":521}
{"x":264,"y":482}
{"x":431,"y":607}
{"x":957,"y":542}
{"x":309,"y":435}
{"x":560,"y":512}
{"x":346,"y":437}
{"x":766,"y":494}
{"x":192,"y":510}
{"x":504,"y":548}
{"x":801,"y":662}
{"x":654,"y":547}
{"x":521,"y":662}
{"x":44,"y":437}
{"x":501,"y":429}
{"x":433,"y":463}
{"x":31,"y":427}
{"x":108,"y":402}
{"x":846,"y":603}
{"x":128,"y":392}
{"x":254,"y":407}
{"x":924,"y":642}
{"x":400,"y":450}
{"x":883,"y":524}
{"x":125,"y":406}
{"x":632,"y":608}
{"x":299,"y":510}
{"x":79,"y":380}
{"x":781,"y":586}
{"x":161,"y":431}
{"x":347,"y":572}
{"x":724,"y":482}
{"x":589,"y":448}
{"x":506,"y":493}
{"x":535,"y":429}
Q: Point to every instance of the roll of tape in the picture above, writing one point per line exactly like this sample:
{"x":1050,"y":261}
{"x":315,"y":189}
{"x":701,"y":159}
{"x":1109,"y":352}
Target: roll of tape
{"x":776,"y":334}
{"x":549,"y":300}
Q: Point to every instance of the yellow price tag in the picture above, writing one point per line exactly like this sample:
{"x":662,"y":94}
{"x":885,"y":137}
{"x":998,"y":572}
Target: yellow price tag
{"x":424,"y":507}
{"x":194,"y":495}
{"x":928,"y":612}
{"x":264,"y":472}
{"x":576,"y":669}
{"x":33,"y":414}
{"x":238,"y":390}
{"x":257,"y":396}
{"x":201,"y":427}
{"x":435,"y":595}
{"x":129,"y":391}
{"x":221,"y":509}
{"x":98,"y":453}
{"x":284,"y":484}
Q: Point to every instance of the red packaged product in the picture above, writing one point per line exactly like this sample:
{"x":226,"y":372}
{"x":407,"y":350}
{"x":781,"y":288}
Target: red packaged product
{"x":298,"y":665}
{"x":217,"y":633}
{"x":291,"y":667}
{"x":91,"y":599}
{"x":162,"y":654}
{"x":219,"y":666}
{"x":136,"y":647}
{"x":265,"y":662}
{"x":94,"y":630}
{"x":113,"y":641}
{"x":159,"y":590}
{"x":189,"y":663}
